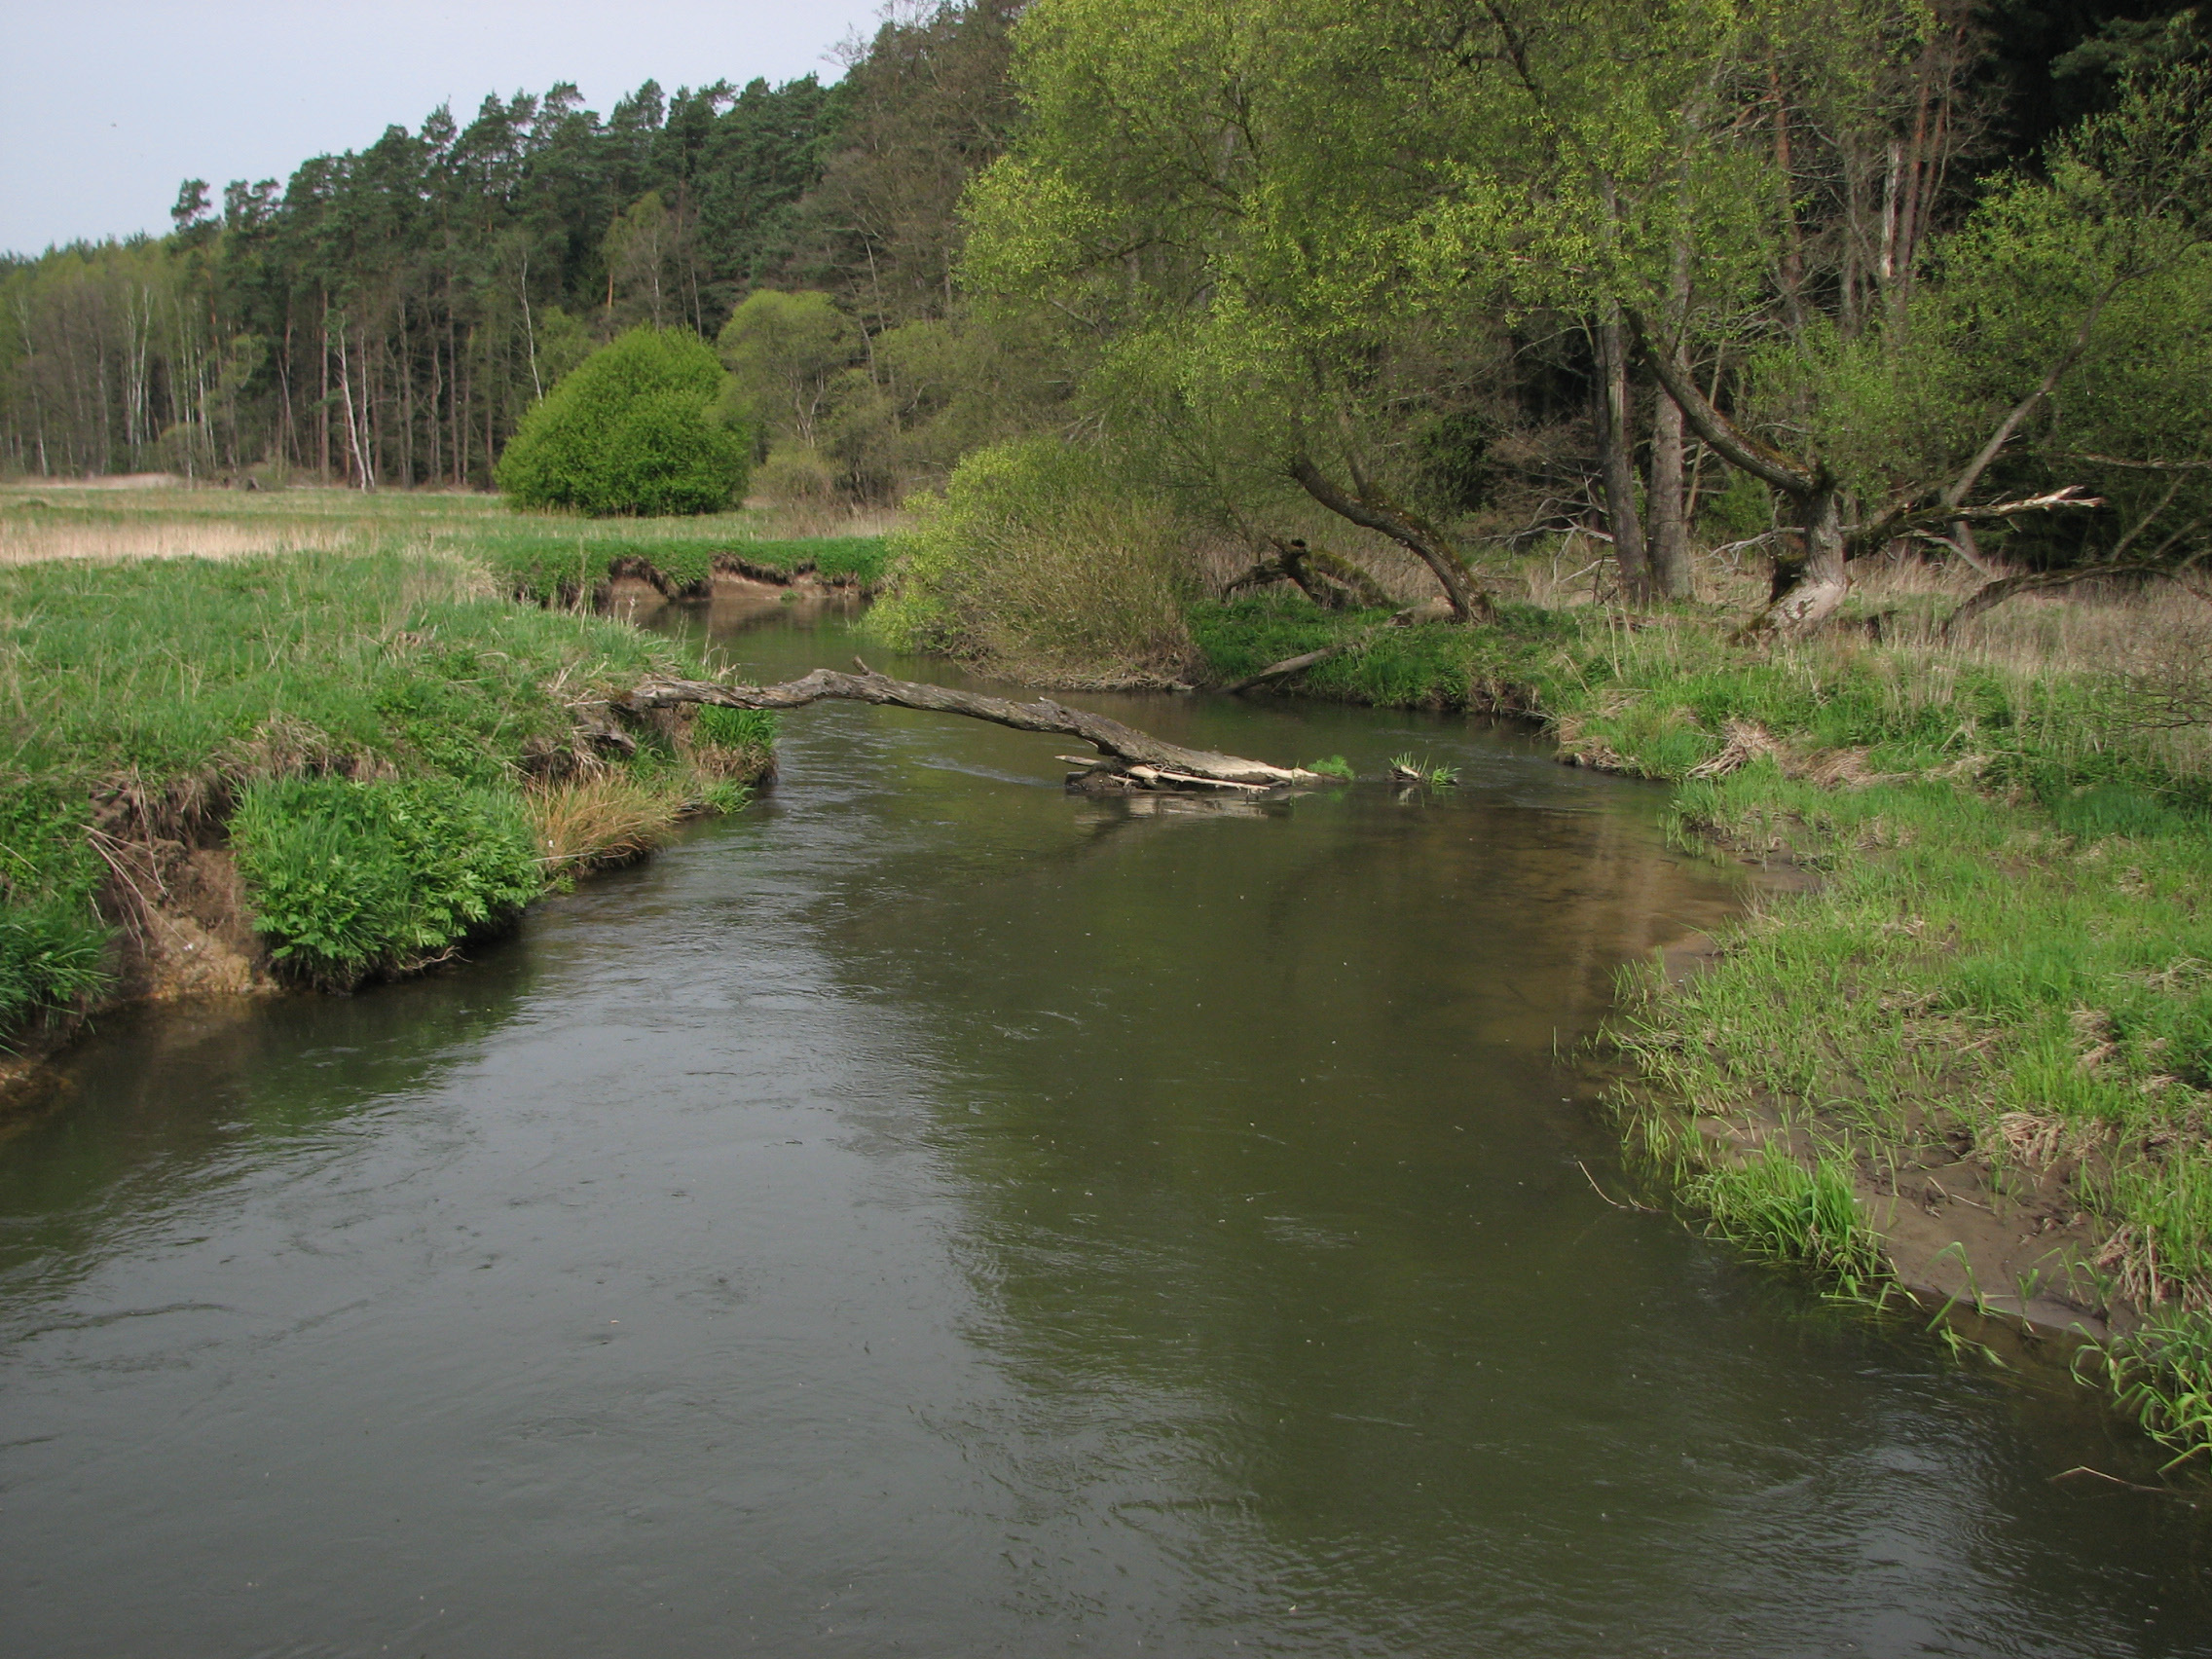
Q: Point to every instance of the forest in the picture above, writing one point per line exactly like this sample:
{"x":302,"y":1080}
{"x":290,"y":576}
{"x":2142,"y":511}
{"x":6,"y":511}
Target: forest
{"x":1804,"y":282}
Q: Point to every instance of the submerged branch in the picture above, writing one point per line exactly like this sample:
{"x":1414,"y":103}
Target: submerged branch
{"x":1145,"y":762}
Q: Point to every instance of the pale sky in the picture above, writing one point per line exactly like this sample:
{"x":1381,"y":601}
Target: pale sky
{"x":107,"y":105}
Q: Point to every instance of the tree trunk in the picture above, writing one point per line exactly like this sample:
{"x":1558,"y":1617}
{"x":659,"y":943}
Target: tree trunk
{"x":1616,"y":458}
{"x":1811,"y":584}
{"x":1670,"y":511}
{"x":1137,"y":760}
{"x":1330,"y":580}
{"x":1370,"y":510}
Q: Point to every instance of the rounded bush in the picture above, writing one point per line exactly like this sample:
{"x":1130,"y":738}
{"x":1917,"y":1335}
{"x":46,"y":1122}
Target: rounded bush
{"x":631,"y":431}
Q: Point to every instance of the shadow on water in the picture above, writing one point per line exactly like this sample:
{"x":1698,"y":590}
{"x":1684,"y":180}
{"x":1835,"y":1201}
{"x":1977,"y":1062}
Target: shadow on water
{"x":933,"y":1214}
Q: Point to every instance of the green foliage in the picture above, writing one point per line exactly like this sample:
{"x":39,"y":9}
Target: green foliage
{"x":784,"y":352}
{"x":628,"y":432}
{"x":1037,"y":558}
{"x":52,"y":955}
{"x":2165,"y":1374}
{"x":1796,"y":1212}
{"x":725,"y":796}
{"x":52,"y":941}
{"x":351,"y":879}
{"x":1335,"y":766}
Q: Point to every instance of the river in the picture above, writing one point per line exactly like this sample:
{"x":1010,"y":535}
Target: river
{"x":932,"y":1214}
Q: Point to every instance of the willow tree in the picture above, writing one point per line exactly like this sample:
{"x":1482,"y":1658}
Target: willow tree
{"x":1273,"y":212}
{"x":1216,"y":198}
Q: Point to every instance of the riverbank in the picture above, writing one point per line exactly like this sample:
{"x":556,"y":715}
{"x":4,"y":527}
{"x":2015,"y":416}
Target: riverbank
{"x":1976,"y":1056}
{"x":306,"y":748}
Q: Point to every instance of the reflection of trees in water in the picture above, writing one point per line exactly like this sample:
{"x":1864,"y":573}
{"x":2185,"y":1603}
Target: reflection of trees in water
{"x":169,"y":1103}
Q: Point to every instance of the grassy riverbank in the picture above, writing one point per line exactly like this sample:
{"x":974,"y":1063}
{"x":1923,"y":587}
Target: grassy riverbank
{"x":1986,"y":1032}
{"x":309,"y":739}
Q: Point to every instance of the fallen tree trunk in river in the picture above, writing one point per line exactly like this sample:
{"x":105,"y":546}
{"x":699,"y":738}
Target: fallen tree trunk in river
{"x":1133,"y":760}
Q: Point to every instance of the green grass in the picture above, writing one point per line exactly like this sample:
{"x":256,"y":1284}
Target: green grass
{"x":366,"y":724}
{"x":325,"y":636}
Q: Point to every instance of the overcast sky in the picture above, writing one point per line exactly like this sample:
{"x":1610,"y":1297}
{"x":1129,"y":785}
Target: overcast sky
{"x":105,"y":105}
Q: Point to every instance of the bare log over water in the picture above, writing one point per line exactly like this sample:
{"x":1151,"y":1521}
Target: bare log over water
{"x":1134,"y":759}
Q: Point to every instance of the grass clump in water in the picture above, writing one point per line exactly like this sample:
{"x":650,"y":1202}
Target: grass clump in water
{"x":1804,"y":1214}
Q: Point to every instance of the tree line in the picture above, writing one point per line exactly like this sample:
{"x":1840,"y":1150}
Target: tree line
{"x":388,"y":315}
{"x":1461,"y":273}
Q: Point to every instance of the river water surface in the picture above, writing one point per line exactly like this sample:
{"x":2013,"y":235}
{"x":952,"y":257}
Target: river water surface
{"x":929,"y":1214}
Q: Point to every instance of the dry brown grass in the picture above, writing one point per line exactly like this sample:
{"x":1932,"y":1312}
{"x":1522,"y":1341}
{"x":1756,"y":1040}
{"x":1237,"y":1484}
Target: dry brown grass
{"x":808,"y":521}
{"x":598,"y":823}
{"x":2147,"y":644}
{"x":30,"y":541}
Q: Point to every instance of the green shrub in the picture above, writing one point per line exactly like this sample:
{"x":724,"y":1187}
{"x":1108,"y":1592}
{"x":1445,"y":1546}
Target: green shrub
{"x":630,"y":431}
{"x":349,"y":880}
{"x":1037,"y":559}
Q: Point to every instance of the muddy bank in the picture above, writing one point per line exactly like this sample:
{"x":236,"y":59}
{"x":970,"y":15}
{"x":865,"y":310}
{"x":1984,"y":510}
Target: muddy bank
{"x":1961,"y":1233}
{"x":637,"y":588}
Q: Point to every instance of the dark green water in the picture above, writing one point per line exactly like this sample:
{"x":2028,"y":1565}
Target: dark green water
{"x":932,"y":1215}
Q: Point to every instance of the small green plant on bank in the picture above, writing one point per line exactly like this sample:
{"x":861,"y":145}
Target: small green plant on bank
{"x":2165,"y":1376}
{"x":1806,"y":1214}
{"x":377,"y":877}
{"x":51,"y":939}
{"x":743,"y":730}
{"x":1335,"y":766}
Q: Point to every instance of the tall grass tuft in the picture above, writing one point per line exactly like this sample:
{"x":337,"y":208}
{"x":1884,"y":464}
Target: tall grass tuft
{"x":601,"y":822}
{"x":1796,"y":1212}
